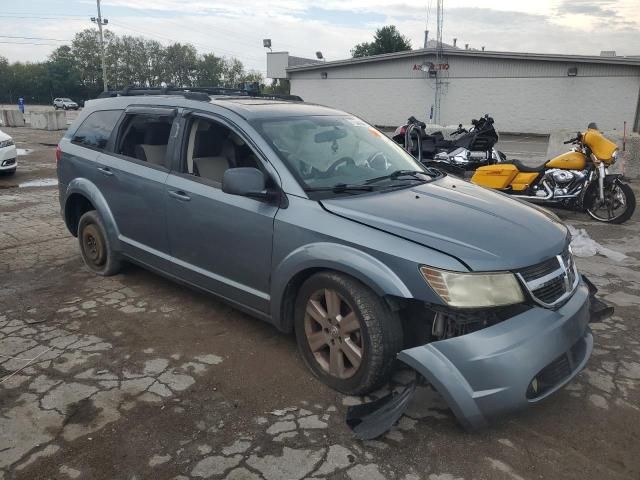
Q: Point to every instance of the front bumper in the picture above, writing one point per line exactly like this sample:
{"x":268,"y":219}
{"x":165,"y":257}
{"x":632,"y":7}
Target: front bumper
{"x":8,"y":158}
{"x":488,"y":373}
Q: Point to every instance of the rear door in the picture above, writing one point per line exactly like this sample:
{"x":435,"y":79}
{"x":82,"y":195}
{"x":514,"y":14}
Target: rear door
{"x":133,"y":171}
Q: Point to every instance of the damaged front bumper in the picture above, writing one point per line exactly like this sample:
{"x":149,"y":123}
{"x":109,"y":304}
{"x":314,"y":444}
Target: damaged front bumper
{"x":508,"y":366}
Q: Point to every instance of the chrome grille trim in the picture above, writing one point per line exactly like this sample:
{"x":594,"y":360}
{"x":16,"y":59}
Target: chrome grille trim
{"x":547,"y":283}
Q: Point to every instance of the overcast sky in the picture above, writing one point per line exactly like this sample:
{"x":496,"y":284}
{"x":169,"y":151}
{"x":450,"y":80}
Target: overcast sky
{"x":236,"y":28}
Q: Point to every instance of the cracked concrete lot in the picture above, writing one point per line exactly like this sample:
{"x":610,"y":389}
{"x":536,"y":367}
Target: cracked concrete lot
{"x":136,"y":377}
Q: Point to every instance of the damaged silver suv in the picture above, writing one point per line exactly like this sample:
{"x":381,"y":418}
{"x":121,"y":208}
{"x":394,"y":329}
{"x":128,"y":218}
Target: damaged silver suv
{"x":313,"y":220}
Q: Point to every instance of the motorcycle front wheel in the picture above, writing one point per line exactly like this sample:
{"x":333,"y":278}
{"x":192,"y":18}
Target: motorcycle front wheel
{"x":618,"y":206}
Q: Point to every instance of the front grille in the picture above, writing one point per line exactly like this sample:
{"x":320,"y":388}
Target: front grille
{"x":540,"y":270}
{"x":551,"y":291}
{"x":552,"y":281}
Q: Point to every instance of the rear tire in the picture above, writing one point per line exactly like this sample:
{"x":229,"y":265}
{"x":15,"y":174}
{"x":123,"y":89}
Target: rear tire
{"x":357,"y":336}
{"x":95,"y":247}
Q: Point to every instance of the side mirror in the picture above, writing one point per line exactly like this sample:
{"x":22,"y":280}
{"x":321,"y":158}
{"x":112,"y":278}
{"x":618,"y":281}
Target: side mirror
{"x":245,"y":181}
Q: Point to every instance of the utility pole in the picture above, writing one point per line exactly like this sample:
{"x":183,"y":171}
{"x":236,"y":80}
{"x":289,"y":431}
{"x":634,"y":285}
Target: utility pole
{"x":439,"y":59}
{"x":100,"y":21}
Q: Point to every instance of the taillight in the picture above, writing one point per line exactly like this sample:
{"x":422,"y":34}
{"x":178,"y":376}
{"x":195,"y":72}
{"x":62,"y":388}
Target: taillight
{"x":58,"y":153}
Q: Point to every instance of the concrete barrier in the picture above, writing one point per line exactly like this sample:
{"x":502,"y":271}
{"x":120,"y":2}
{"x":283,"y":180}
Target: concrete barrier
{"x":48,"y":120}
{"x":629,"y":162}
{"x":11,"y":118}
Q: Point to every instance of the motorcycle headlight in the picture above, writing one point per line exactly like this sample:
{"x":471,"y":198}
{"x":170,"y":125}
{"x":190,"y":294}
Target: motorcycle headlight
{"x":6,"y":143}
{"x":474,"y":290}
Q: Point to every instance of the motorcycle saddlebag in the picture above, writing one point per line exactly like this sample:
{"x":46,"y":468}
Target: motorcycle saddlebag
{"x":497,"y":176}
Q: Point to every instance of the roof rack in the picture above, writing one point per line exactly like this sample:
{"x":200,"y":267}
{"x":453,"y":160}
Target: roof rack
{"x":197,"y":93}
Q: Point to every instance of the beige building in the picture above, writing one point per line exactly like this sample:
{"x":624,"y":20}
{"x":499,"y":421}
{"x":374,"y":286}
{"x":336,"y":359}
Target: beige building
{"x":524,"y":92}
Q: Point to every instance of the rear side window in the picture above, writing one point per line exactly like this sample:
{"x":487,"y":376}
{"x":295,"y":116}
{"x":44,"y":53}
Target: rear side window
{"x":145,"y":137}
{"x":96,"y":129}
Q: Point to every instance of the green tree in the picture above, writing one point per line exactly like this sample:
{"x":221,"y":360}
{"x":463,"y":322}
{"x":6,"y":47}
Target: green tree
{"x":63,"y":75}
{"x":210,"y":70}
{"x":75,"y":70}
{"x":232,"y":73}
{"x":85,"y":47}
{"x":182,"y":62}
{"x":386,"y":40}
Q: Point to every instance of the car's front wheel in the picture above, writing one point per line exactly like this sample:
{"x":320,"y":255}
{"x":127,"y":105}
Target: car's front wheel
{"x":95,"y":246}
{"x":347,"y":335}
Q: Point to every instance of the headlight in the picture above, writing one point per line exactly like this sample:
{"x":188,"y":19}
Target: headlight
{"x":474,"y":290}
{"x":6,"y":143}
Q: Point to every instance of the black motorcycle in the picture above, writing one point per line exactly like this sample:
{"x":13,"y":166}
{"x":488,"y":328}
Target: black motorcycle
{"x":471,"y":149}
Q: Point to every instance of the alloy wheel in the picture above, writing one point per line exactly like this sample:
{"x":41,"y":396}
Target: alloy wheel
{"x":614,"y":205}
{"x":333,"y":331}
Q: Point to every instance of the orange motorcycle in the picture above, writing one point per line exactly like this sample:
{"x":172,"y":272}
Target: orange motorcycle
{"x":576,"y":179}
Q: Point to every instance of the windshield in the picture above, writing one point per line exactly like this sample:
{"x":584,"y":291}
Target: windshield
{"x":67,"y":100}
{"x":325,"y":151}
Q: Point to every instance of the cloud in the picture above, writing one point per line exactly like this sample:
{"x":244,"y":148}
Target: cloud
{"x":303,"y":27}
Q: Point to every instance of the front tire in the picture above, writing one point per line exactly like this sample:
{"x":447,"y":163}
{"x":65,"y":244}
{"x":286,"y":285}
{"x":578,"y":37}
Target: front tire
{"x":95,"y":246}
{"x":619,"y":203}
{"x":346,"y":334}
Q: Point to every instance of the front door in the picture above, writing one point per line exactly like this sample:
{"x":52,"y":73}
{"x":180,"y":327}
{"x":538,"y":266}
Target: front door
{"x":220,"y":241}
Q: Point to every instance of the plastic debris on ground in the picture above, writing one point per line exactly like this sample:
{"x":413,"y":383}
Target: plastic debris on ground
{"x":585,"y":246}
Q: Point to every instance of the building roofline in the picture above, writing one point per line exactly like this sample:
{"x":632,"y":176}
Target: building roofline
{"x":549,"y":57}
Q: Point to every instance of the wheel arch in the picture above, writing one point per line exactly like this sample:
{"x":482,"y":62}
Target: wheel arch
{"x":306,"y":261}
{"x":81,"y":196}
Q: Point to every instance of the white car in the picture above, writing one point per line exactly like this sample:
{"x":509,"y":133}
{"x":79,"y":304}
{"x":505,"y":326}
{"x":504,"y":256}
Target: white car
{"x":64,"y":103}
{"x":8,"y":154}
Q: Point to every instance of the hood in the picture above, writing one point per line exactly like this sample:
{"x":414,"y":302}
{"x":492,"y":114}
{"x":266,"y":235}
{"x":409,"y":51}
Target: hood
{"x":4,"y":136}
{"x":486,"y":230}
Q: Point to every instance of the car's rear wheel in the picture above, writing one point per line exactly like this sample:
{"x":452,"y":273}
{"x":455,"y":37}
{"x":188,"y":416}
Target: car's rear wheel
{"x":346,"y":334}
{"x":95,"y":247}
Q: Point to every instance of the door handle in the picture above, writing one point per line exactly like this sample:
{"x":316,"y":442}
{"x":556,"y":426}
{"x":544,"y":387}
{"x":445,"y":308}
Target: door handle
{"x":180,"y":195}
{"x":105,"y":171}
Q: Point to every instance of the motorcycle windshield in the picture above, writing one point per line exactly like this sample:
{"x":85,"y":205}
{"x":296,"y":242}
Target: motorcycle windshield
{"x":600,"y":146}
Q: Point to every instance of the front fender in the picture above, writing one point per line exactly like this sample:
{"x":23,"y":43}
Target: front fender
{"x":332,"y":256}
{"x":86,"y":188}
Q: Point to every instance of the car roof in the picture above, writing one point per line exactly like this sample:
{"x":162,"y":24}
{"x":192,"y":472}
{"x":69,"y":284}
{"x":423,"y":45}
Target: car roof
{"x":260,"y":108}
{"x":250,"y":108}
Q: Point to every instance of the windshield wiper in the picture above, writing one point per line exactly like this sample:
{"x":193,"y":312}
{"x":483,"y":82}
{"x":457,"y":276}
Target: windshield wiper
{"x":416,"y":174}
{"x":340,"y":188}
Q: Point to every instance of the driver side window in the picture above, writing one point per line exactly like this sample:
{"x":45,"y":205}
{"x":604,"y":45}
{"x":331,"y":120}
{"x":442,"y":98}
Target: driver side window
{"x":212,"y":148}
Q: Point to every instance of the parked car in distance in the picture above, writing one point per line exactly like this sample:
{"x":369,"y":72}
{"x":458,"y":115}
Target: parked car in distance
{"x":8,"y":155}
{"x":65,"y":104}
{"x":313,"y":220}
